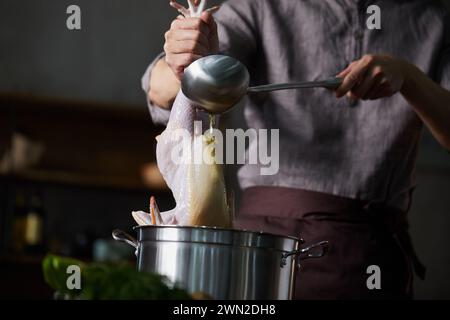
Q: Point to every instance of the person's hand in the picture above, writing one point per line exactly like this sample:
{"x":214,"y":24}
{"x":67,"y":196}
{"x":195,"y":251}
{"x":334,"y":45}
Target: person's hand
{"x":188,"y":40}
{"x":372,"y":77}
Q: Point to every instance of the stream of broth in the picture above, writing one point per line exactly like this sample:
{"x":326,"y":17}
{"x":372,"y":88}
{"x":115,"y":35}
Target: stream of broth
{"x":212,"y":122}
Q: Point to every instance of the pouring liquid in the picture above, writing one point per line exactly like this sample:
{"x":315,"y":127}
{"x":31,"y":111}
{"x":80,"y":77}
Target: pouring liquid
{"x":212,"y":122}
{"x":229,"y":194}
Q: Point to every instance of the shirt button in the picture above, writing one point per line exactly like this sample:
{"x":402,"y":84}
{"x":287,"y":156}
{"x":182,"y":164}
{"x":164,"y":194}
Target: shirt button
{"x":359,"y":34}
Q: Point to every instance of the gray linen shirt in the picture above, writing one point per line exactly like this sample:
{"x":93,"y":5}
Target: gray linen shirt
{"x":364,"y":150}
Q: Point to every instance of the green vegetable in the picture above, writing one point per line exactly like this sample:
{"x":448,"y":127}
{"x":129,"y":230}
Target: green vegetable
{"x":108,"y":281}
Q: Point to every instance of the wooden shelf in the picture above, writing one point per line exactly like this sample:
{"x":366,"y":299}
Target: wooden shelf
{"x":85,"y":143}
{"x":42,"y":104}
{"x":75,"y":179}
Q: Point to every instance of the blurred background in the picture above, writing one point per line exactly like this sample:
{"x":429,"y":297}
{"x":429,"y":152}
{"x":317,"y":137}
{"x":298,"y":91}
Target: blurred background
{"x":77,"y":147}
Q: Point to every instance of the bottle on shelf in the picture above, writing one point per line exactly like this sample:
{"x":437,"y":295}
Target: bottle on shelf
{"x":28,"y":232}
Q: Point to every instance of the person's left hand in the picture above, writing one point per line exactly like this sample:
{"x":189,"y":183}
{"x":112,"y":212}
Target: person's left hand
{"x":372,"y":77}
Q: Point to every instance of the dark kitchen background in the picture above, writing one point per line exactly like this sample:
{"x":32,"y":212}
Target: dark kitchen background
{"x":77,"y":147}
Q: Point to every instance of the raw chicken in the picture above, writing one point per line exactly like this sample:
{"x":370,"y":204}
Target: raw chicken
{"x":197,"y":186}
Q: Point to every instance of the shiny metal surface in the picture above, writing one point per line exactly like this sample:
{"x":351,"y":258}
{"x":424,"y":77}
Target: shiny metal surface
{"x":315,"y":250}
{"x":120,"y":235}
{"x":331,"y":83}
{"x":216,"y":83}
{"x":222,"y":263}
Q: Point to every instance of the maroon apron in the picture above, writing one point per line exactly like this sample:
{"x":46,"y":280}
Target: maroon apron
{"x":360,"y":233}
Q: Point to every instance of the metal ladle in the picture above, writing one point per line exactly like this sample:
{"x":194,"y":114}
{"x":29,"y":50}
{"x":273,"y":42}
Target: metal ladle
{"x":216,"y":83}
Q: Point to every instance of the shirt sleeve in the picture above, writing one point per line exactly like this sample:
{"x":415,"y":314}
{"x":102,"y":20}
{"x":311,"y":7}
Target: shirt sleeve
{"x":159,"y":115}
{"x":236,"y":25}
{"x":443,"y":71}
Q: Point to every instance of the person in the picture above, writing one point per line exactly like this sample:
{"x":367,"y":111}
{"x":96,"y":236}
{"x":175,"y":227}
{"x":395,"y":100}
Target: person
{"x":346,"y":164}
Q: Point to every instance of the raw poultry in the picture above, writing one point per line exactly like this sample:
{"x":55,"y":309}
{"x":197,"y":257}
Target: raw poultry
{"x":197,"y":186}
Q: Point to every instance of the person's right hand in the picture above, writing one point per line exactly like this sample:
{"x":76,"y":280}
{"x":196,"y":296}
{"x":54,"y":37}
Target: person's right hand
{"x":188,"y":40}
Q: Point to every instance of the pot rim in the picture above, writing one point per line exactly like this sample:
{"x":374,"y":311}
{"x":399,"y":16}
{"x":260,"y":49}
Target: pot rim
{"x":241,"y":237}
{"x":221,"y":229}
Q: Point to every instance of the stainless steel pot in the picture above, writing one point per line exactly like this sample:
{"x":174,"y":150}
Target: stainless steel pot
{"x":222,"y":263}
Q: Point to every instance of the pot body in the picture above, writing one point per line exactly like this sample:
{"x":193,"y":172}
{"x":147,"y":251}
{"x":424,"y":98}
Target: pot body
{"x":219,"y":263}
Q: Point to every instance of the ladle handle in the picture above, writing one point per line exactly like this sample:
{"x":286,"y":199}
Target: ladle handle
{"x":332,"y":83}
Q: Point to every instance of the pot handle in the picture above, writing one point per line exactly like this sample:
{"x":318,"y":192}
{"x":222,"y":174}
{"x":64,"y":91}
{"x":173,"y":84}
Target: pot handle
{"x":122,"y":236}
{"x":315,"y":250}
